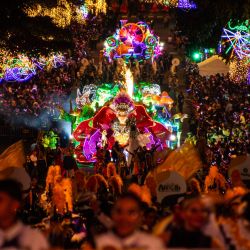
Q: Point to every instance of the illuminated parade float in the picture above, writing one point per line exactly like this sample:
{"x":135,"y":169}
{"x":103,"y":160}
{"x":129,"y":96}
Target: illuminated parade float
{"x":132,"y":114}
{"x":132,"y":40}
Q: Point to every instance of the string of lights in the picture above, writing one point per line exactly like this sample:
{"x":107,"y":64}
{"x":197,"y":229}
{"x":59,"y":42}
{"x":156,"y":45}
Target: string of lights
{"x":239,"y":69}
{"x":96,"y":6}
{"x":62,"y":15}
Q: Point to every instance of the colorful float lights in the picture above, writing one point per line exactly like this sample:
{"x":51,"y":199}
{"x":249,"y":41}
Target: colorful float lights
{"x":21,"y":68}
{"x":236,"y":39}
{"x":84,"y":10}
{"x":132,"y":40}
{"x":106,"y":113}
{"x":96,"y":6}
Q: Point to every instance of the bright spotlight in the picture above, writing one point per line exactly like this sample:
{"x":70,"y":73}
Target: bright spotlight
{"x":172,"y":137}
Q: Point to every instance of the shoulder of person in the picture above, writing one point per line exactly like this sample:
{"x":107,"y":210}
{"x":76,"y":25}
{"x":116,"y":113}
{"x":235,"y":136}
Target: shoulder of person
{"x":151,"y":239}
{"x":33,"y":238}
{"x":107,"y":239}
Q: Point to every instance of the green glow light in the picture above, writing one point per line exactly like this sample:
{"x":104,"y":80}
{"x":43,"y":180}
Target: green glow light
{"x":196,"y":56}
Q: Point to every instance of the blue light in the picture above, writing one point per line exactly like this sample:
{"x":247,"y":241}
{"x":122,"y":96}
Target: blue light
{"x":84,"y":11}
{"x":186,"y":4}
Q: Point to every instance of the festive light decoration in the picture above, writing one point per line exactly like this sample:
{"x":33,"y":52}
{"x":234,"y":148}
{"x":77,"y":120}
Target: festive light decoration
{"x":119,"y":112}
{"x":18,"y":69}
{"x":114,"y":120}
{"x":86,"y":96}
{"x":129,"y":82}
{"x":186,"y":5}
{"x":62,"y":15}
{"x":84,"y":10}
{"x":169,"y":3}
{"x":182,"y":4}
{"x":123,"y":111}
{"x":56,"y":60}
{"x":134,"y":40}
{"x":153,"y":89}
{"x":21,"y":68}
{"x":239,"y":69}
{"x":244,"y":26}
{"x":197,"y":56}
{"x":248,"y":76}
{"x":96,"y":6}
{"x":237,"y":39}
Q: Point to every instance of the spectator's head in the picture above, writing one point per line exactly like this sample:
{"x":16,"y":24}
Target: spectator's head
{"x":194,"y":214}
{"x":127,"y":214}
{"x":10,"y":201}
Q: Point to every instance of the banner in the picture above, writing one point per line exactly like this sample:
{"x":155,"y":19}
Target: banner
{"x":169,"y":183}
{"x":240,"y":167}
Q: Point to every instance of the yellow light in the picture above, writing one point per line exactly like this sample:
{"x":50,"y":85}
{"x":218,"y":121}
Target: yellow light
{"x":96,"y":6}
{"x":62,"y":15}
{"x":170,"y":3}
{"x":238,"y":69}
{"x":129,"y":82}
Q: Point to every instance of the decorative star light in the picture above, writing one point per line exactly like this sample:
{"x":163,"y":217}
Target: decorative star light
{"x":239,"y":69}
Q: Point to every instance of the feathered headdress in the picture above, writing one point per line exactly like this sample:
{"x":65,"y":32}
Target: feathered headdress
{"x":142,"y":192}
{"x":122,"y":102}
{"x":116,"y":184}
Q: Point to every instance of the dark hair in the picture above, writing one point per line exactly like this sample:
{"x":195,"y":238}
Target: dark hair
{"x":132,"y":196}
{"x":11,"y":187}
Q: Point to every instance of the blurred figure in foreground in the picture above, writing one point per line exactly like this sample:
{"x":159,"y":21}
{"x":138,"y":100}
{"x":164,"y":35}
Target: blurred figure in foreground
{"x":127,"y":215}
{"x":188,"y":234}
{"x":13,"y":234}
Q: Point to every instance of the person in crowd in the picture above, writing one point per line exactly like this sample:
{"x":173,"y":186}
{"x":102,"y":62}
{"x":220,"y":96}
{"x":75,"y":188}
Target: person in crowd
{"x":13,"y":234}
{"x":180,"y":102}
{"x":127,"y":215}
{"x":189,"y":233}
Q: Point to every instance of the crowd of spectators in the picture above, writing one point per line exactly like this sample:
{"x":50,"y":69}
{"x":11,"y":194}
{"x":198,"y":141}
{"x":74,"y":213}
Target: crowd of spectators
{"x":221,"y":117}
{"x":101,"y":218}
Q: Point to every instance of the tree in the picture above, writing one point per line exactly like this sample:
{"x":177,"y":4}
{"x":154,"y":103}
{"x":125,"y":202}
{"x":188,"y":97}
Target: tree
{"x":34,"y":25}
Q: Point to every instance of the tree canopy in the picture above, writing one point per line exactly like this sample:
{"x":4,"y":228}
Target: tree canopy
{"x":35,"y":25}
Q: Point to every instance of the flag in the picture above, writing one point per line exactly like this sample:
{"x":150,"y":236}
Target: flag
{"x":13,"y":156}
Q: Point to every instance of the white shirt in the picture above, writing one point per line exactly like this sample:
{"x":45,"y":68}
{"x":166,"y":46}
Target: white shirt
{"x":28,"y":238}
{"x":138,"y":240}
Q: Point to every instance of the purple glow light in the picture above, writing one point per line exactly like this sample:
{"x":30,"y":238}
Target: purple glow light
{"x":248,"y":76}
{"x":186,"y":4}
{"x":89,"y":146}
{"x":151,"y":138}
